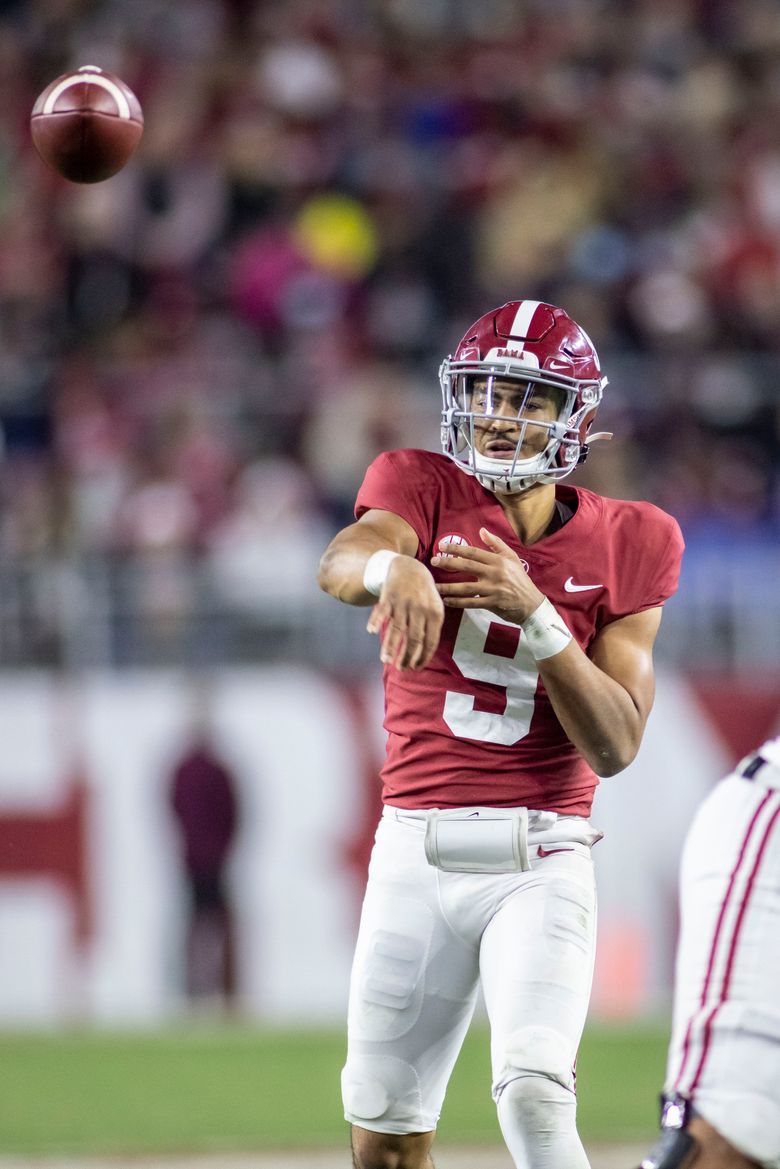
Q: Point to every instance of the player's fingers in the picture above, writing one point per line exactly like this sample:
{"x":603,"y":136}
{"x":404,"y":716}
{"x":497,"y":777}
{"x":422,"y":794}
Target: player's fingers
{"x":461,"y":552}
{"x":431,"y":640}
{"x":393,"y":642}
{"x":455,"y":563}
{"x":467,"y":551}
{"x":388,"y":641}
{"x":462,"y":588}
{"x":426,"y":638}
{"x":493,"y":541}
{"x":473,"y":602}
{"x":415,"y":642}
{"x":376,"y":618}
{"x":398,"y":658}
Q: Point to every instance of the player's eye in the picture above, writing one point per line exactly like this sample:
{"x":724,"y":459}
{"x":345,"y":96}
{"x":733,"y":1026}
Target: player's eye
{"x":539,"y":404}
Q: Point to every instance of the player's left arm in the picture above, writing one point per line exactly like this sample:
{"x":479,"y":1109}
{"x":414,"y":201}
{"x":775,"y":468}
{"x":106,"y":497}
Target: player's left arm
{"x":602,"y":699}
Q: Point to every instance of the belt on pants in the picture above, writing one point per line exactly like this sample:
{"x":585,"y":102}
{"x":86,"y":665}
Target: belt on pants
{"x":485,"y":840}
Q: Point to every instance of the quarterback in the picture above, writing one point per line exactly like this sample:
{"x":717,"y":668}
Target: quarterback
{"x":721,"y":1108}
{"x":516,"y":617}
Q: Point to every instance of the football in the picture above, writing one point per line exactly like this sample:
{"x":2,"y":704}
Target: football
{"x":86,"y":124}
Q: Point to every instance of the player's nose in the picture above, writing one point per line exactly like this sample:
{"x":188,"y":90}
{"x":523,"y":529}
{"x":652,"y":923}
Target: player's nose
{"x":504,"y":415}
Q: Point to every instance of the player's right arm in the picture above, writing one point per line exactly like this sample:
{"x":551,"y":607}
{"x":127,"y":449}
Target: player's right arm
{"x":409,"y":612}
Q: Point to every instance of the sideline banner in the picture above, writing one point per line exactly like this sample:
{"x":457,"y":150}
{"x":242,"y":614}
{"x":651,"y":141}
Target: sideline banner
{"x":92,"y":898}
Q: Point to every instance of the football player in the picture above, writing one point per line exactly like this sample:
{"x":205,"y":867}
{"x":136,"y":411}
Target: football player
{"x":516,"y":617}
{"x":721,"y":1106}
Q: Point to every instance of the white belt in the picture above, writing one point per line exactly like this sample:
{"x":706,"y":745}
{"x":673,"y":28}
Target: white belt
{"x":478,"y":842}
{"x":493,"y":840}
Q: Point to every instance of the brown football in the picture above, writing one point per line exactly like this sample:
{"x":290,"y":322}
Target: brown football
{"x":86,"y":124}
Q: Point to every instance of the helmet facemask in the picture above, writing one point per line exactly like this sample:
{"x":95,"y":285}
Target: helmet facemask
{"x":511,"y":426}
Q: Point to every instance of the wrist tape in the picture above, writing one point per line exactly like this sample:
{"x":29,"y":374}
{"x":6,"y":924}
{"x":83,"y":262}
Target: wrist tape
{"x":377,"y":568}
{"x":545,"y":631}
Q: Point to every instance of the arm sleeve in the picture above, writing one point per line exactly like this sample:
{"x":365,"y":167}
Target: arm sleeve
{"x":394,"y":482}
{"x":662,"y":580}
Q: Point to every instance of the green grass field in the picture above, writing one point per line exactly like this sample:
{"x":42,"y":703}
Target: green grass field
{"x":206,"y":1088}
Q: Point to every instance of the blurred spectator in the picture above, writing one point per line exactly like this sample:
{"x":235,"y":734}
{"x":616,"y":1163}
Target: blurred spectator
{"x":380,"y":405}
{"x":264,"y":554}
{"x":204,"y":800}
{"x":325,"y":191}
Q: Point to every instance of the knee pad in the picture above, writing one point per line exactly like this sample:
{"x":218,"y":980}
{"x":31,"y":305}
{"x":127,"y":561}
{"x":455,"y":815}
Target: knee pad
{"x":364,"y":1097}
{"x":536,"y":1051}
{"x":381,"y":1088}
{"x":534,"y":1096}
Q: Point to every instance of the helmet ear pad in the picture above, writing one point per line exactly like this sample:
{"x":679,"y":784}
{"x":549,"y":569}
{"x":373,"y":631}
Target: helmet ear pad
{"x":582,"y":431}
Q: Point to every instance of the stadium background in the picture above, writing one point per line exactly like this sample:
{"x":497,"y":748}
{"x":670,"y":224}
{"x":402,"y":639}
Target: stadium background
{"x":197,"y":361}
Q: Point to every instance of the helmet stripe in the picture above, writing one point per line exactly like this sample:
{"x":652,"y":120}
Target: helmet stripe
{"x":523,"y":317}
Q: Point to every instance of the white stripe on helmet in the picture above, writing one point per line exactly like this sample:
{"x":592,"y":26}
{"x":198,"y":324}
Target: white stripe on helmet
{"x":523,"y":318}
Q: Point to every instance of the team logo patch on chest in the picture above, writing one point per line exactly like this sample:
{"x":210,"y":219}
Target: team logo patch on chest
{"x":450,"y":538}
{"x":459,"y":538}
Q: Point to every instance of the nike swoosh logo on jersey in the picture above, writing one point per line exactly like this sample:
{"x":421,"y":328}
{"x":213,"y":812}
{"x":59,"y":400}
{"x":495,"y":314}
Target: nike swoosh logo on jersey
{"x":542,"y":851}
{"x":571,"y":587}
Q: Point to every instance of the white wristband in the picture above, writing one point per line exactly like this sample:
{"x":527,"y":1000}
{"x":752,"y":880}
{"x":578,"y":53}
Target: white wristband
{"x":545,"y":631}
{"x":377,"y":568}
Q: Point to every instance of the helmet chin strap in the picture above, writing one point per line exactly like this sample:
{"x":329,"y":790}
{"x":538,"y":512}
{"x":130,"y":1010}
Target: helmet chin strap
{"x":520,"y":480}
{"x":514,"y":486}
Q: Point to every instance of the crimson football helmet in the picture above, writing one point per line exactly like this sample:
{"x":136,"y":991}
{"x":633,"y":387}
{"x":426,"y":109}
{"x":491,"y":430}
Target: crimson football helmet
{"x":529,"y":345}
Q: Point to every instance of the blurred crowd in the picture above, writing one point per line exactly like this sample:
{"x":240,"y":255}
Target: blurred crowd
{"x":202,"y":354}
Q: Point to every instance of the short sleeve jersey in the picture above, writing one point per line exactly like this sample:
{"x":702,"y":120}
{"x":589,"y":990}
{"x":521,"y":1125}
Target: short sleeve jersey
{"x":476,"y":726}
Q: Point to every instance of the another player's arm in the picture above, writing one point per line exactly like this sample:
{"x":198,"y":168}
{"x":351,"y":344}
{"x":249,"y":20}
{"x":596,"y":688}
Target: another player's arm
{"x":409,"y":612}
{"x":602,"y":700}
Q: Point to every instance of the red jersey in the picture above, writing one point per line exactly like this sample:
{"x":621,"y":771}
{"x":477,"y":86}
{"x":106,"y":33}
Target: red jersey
{"x":476,"y":726}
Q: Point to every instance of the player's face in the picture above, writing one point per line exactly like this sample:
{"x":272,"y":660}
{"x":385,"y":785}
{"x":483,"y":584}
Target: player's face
{"x":507,"y":411}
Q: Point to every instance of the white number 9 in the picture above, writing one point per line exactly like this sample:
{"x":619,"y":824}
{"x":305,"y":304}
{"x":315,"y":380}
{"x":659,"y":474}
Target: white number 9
{"x":517,"y":675}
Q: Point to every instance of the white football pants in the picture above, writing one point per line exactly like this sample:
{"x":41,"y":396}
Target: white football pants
{"x":724,"y":1054}
{"x":426,"y":939}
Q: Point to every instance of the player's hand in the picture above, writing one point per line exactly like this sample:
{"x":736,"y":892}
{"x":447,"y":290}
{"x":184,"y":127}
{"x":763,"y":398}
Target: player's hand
{"x":408,"y":615}
{"x":500,"y":583}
